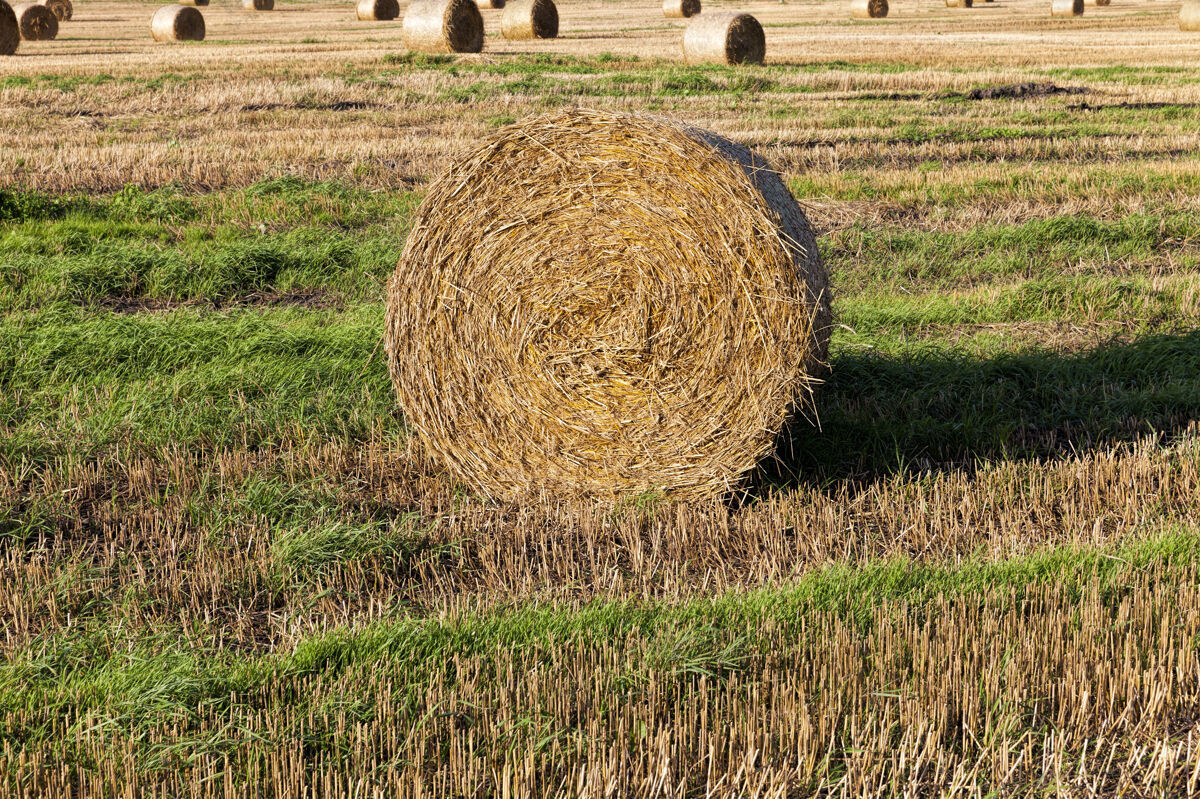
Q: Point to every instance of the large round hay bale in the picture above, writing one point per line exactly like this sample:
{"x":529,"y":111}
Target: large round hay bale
{"x":490,"y":4}
{"x":676,"y":9}
{"x":258,"y":5}
{"x":1066,"y":8}
{"x":529,"y":19}
{"x":36,"y":22}
{"x":443,"y":26}
{"x":61,"y":9}
{"x":1189,"y":15}
{"x":724,"y":37}
{"x":10,"y":29}
{"x":377,"y":10}
{"x":603,"y":304}
{"x":869,"y":9}
{"x":176,"y":23}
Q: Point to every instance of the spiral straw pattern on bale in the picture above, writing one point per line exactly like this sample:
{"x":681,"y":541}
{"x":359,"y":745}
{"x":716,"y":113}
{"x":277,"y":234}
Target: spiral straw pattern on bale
{"x":10,"y":29}
{"x":443,"y":26}
{"x":176,"y":23}
{"x":1066,"y":8}
{"x":529,"y":19}
{"x":603,"y":304}
{"x":869,"y":9}
{"x":36,"y":22}
{"x":377,"y":10}
{"x":677,"y":9}
{"x":61,"y":9}
{"x":724,"y":37}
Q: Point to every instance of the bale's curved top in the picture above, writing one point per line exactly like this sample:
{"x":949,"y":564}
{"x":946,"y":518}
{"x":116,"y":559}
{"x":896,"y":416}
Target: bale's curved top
{"x":605,"y":304}
{"x":10,"y":29}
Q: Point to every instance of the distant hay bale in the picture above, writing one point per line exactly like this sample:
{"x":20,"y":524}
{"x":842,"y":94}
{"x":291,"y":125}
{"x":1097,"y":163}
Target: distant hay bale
{"x":489,"y":4}
{"x":958,"y":3}
{"x":36,"y":22}
{"x":176,"y":23}
{"x":1189,"y":15}
{"x":529,"y":19}
{"x":377,"y":10}
{"x":1066,"y":8}
{"x":10,"y":29}
{"x":603,"y":304}
{"x":193,"y":2}
{"x":1097,"y":2}
{"x":61,"y":9}
{"x":443,"y":26}
{"x":724,"y":37}
{"x":258,"y":5}
{"x":869,"y":9}
{"x":676,"y":9}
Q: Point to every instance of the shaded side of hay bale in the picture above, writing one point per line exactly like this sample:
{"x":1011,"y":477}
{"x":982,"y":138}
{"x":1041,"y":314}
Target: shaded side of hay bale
{"x":36,"y":22}
{"x":258,"y":5}
{"x":676,"y":9}
{"x":377,"y":10}
{"x":489,"y":4}
{"x":10,"y":29}
{"x":724,"y":37}
{"x":1189,"y":15}
{"x":1066,"y":8}
{"x":868,"y":9}
{"x":529,"y":19}
{"x":177,"y":23}
{"x":573,"y":310}
{"x":443,"y":26}
{"x":61,"y":9}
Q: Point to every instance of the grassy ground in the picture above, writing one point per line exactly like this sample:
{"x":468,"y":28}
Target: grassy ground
{"x":224,"y":571}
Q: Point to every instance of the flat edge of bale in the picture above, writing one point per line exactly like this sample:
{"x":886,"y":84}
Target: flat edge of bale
{"x":680,"y":9}
{"x":177,"y":23}
{"x":868,"y":9}
{"x":529,"y":19}
{"x":10,"y":29}
{"x":724,"y":37}
{"x":443,"y":26}
{"x":36,"y":22}
{"x":377,"y":10}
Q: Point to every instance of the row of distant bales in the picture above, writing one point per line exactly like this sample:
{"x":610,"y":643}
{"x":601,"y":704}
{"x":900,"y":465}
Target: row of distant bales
{"x":456,"y":26}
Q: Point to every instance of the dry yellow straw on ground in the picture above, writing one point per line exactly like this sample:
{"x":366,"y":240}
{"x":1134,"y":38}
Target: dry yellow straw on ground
{"x":36,"y":22}
{"x":1189,"y":15}
{"x":258,"y":5}
{"x":724,"y":37}
{"x":176,"y":23}
{"x":377,"y":10}
{"x":10,"y":29}
{"x":1066,"y":8}
{"x":529,"y":19}
{"x":61,"y":9}
{"x":443,"y":26}
{"x":676,"y":9}
{"x":602,"y":304}
{"x":869,"y":9}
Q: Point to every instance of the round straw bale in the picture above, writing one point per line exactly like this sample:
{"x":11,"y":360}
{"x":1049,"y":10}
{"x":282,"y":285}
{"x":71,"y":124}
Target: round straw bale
{"x":1097,"y":2}
{"x":10,"y":29}
{"x":258,"y":5}
{"x":176,"y":23}
{"x":869,"y":9}
{"x":443,"y":26}
{"x":675,"y":9}
{"x":529,"y":19}
{"x":381,"y":10}
{"x":1066,"y":8}
{"x":958,"y":3}
{"x":489,"y":3}
{"x":1189,"y":15}
{"x":603,"y":304}
{"x":725,"y":37}
{"x":61,"y":9}
{"x":36,"y":22}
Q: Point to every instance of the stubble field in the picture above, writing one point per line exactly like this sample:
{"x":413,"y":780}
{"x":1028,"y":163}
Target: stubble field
{"x":225,"y":570}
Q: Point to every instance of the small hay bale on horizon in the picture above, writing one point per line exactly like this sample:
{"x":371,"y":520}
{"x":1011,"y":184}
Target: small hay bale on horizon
{"x":1097,"y":2}
{"x":61,"y":9}
{"x":258,"y":5}
{"x":680,"y":9}
{"x":10,"y":29}
{"x":443,"y":26}
{"x":529,"y":19}
{"x":959,"y":3}
{"x":603,"y":304}
{"x":1066,"y":8}
{"x":197,"y":3}
{"x":869,"y":9}
{"x":177,"y":23}
{"x":377,"y":10}
{"x":36,"y":22}
{"x":724,"y":37}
